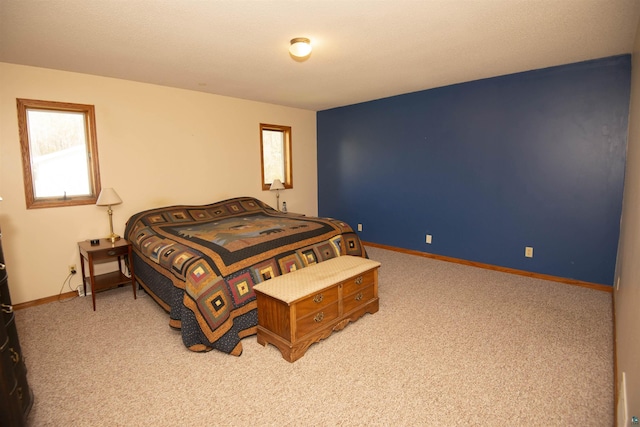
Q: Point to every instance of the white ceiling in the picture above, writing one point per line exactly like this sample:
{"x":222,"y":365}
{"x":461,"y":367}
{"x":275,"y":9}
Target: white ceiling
{"x":363,"y":49}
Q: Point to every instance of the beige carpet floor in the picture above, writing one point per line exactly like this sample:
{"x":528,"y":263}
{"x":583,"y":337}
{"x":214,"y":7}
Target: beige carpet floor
{"x":452,"y":345}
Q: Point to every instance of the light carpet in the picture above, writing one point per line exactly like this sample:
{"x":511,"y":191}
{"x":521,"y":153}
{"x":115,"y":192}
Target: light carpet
{"x":452,"y":345}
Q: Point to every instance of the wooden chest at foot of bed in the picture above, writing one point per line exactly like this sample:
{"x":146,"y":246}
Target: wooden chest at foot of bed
{"x":303,"y":307}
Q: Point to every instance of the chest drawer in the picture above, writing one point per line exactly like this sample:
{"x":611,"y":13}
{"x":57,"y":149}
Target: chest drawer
{"x":298,"y":309}
{"x":7,"y":368}
{"x":5,"y":301}
{"x":23,"y":391}
{"x":110,"y":252}
{"x":357,"y":283}
{"x":358,"y":298}
{"x":316,"y":320}
{"x":316,"y":301}
{"x":13,"y":344}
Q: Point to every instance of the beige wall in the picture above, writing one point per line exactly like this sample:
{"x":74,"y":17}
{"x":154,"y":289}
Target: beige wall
{"x":627,"y":297}
{"x":157,"y":146}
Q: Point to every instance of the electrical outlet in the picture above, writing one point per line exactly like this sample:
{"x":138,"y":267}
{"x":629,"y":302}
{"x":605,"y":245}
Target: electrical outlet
{"x":72,"y":269}
{"x":528,"y":252}
{"x":359,"y":227}
{"x":428,"y":239}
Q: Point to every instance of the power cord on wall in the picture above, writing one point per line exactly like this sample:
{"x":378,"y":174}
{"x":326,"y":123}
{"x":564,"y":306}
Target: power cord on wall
{"x":67,"y":281}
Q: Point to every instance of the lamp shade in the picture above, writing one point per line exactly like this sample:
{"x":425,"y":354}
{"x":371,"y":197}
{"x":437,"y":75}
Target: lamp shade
{"x":300,"y":47}
{"x":108,"y":197}
{"x":276,"y":185}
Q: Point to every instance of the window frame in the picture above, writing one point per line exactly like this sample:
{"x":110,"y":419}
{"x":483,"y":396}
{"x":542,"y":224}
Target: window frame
{"x":288,"y":163}
{"x":88,"y":111}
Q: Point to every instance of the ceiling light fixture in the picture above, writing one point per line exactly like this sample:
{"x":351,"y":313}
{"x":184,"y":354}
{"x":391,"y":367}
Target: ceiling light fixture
{"x":300,"y":47}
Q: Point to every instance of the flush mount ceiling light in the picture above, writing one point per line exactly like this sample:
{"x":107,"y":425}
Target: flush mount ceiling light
{"x":300,"y":47}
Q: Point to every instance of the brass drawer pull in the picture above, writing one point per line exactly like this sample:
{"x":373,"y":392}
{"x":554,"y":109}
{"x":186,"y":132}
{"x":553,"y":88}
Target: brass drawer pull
{"x":318,"y":298}
{"x":359,"y":296}
{"x":7,"y":308}
{"x":15,"y":357}
{"x":2,"y":266}
{"x":111,"y":253}
{"x":319,"y":317}
{"x":358,"y":280}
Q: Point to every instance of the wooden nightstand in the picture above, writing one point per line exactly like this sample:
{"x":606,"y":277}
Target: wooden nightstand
{"x":105,"y":252}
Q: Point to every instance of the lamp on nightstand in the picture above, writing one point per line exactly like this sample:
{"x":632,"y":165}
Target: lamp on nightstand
{"x":276,"y":186}
{"x":109,"y":197}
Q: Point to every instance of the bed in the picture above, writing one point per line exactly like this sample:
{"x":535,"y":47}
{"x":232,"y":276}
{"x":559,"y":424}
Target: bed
{"x":200,"y":263}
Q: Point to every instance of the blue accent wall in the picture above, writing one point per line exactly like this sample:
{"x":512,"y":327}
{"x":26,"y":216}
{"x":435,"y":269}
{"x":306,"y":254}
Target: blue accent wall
{"x":488,"y":167}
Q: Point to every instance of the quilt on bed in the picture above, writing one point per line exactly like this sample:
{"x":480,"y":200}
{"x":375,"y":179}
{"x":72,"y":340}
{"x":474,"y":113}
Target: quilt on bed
{"x":201,"y":262}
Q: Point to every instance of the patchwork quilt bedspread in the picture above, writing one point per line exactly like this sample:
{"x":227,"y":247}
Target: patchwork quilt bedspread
{"x":200,"y":263}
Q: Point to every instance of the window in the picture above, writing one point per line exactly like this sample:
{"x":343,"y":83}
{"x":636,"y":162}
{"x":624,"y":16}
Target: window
{"x":59,"y":153}
{"x":275,"y":155}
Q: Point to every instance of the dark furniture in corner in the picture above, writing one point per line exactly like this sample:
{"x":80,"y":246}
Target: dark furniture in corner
{"x":16,"y":397}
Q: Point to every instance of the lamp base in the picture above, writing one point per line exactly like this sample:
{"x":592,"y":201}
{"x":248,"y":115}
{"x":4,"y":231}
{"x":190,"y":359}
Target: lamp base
{"x":113,"y":238}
